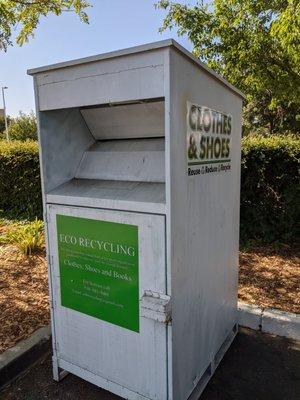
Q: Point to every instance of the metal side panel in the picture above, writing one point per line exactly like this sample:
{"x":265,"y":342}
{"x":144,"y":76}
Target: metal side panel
{"x":141,"y":160}
{"x":133,"y":360}
{"x":127,"y":78}
{"x":145,"y":197}
{"x":203,"y":229}
{"x":126,"y":121}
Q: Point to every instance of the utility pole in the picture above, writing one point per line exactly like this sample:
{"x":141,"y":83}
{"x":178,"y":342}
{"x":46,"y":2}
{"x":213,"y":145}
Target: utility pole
{"x":4,"y":109}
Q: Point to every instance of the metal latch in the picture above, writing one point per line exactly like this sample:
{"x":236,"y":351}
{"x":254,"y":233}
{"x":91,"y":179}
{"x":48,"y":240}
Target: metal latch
{"x":156,"y":306}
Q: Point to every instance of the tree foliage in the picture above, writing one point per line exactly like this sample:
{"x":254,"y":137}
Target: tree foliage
{"x":2,"y":124}
{"x":255,"y":45}
{"x":23,"y":127}
{"x":24,"y":16}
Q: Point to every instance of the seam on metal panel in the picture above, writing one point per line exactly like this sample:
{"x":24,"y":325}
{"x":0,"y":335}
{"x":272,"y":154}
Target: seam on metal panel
{"x":103,"y":74}
{"x":105,"y":208}
{"x":129,"y":51}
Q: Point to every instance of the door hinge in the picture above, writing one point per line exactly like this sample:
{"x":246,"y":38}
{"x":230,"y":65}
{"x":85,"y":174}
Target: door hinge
{"x":156,"y":306}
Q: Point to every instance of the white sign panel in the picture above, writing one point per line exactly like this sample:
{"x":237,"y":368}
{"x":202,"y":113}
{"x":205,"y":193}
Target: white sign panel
{"x":208,"y":140}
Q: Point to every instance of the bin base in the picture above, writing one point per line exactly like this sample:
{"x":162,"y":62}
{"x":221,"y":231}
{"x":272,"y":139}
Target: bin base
{"x":61,"y":368}
{"x":203,"y":381}
{"x":58,"y":373}
{"x":97,"y":380}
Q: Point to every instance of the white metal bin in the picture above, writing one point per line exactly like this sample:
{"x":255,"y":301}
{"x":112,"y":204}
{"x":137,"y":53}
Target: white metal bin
{"x":140,"y":163}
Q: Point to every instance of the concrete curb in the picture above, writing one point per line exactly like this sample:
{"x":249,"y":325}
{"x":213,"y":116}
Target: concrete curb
{"x":16,"y":359}
{"x":268,"y":320}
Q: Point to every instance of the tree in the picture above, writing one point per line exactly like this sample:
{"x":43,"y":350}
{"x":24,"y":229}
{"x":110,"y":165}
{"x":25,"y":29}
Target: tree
{"x":255,"y":45}
{"x":23,"y":127}
{"x":24,"y":16}
{"x":2,"y":124}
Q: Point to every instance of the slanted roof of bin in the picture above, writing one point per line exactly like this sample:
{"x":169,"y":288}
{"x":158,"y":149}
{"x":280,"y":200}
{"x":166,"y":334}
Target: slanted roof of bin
{"x":138,"y":49}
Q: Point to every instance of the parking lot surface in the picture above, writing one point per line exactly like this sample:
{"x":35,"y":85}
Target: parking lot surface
{"x":256,"y":367}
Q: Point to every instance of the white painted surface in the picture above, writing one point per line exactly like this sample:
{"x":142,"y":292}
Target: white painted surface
{"x":205,"y":377}
{"x":135,"y":50}
{"x":146,"y":197}
{"x":101,"y":381}
{"x":203,"y":231}
{"x":141,"y":160}
{"x":138,"y":120}
{"x":196,"y":264}
{"x":156,"y":306}
{"x":250,"y":316}
{"x":104,"y":349}
{"x":64,"y":138}
{"x":281,"y":323}
{"x":103,"y":82}
{"x":42,"y":137}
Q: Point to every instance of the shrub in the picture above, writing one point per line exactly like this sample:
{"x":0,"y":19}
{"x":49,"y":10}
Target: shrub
{"x":20,"y":188}
{"x":28,"y":237}
{"x":270,"y":185}
{"x":270,"y":188}
{"x":23,"y":127}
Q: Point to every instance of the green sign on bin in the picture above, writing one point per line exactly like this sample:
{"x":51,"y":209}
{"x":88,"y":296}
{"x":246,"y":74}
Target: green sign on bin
{"x":99,"y":269}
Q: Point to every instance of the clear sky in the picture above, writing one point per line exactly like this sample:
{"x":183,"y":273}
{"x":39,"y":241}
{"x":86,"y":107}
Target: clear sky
{"x":114,"y":24}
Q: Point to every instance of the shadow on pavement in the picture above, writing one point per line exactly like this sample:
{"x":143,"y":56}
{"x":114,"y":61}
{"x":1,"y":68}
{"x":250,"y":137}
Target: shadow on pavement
{"x":256,"y":367}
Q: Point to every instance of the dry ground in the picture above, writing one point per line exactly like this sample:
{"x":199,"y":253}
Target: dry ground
{"x":268,"y":278}
{"x":23,"y":295}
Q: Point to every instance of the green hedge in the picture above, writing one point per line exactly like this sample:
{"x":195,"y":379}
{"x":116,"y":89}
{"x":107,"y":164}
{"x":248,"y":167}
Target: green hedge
{"x":20,"y":189}
{"x":270,"y":188}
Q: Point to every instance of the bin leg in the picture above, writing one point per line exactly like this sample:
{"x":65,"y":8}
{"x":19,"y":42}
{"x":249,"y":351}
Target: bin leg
{"x":58,"y":373}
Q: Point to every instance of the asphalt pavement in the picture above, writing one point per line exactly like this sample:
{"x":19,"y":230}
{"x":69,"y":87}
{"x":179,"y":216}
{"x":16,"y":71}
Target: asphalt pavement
{"x":256,"y":367}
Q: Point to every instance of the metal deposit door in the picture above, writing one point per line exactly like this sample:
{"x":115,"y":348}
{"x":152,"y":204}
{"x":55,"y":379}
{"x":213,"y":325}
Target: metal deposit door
{"x":108,"y":278}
